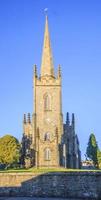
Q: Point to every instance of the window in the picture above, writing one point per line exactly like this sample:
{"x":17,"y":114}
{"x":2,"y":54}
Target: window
{"x":47,"y":154}
{"x":64,"y":150}
{"x":47,"y":102}
{"x":47,"y":137}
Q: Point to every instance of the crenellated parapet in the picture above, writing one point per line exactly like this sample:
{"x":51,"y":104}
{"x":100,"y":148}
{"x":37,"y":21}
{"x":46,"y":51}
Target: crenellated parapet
{"x":47,"y":80}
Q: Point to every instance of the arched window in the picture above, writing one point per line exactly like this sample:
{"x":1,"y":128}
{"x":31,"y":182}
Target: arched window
{"x":47,"y":102}
{"x":47,"y":136}
{"x":64,"y":150}
{"x":47,"y":154}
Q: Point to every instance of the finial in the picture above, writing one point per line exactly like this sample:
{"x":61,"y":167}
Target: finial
{"x":29,"y":120}
{"x":59,"y":71}
{"x":35,"y":70}
{"x":67,"y":119}
{"x":46,"y":10}
{"x":73,"y":120}
{"x":24,"y":120}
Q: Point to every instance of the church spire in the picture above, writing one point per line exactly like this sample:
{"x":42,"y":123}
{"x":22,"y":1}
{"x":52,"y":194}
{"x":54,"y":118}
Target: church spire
{"x":47,"y":61}
{"x":73,"y":121}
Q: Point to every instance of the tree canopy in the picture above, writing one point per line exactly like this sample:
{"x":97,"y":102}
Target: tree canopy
{"x":9,"y":150}
{"x":92,"y":149}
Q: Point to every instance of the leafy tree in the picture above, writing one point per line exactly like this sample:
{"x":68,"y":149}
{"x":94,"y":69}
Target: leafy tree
{"x":9,"y":150}
{"x":92,"y":149}
{"x":99,"y":159}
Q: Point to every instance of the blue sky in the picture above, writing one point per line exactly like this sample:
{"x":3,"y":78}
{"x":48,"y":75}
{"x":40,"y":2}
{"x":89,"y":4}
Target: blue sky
{"x":75,"y":29}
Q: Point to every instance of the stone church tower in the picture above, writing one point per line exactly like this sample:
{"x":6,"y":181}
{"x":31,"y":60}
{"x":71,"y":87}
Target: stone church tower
{"x":47,"y":116}
{"x":44,"y":136}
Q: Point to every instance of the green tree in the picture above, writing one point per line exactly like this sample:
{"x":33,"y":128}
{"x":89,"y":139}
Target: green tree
{"x":9,"y":150}
{"x":99,"y":159}
{"x":92,"y":149}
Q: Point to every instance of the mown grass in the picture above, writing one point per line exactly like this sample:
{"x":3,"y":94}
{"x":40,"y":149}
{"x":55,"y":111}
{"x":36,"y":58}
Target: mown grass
{"x":46,"y":170}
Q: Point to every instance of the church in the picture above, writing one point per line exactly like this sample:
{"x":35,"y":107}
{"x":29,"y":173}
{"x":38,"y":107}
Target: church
{"x":47,"y":141}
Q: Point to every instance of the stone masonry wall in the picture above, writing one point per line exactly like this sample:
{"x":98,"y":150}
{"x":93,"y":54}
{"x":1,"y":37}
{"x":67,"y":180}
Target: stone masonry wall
{"x":65,"y":184}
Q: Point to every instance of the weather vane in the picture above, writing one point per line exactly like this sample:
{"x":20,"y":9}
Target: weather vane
{"x":46,"y":10}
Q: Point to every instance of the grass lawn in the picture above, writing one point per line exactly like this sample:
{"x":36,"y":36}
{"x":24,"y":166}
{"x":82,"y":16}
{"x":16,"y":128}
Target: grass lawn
{"x":45,"y":170}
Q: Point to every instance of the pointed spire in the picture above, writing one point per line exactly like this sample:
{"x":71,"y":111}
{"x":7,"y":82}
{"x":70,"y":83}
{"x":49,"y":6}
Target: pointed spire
{"x":35,"y":70}
{"x":29,"y":119}
{"x":67,"y":119}
{"x":24,"y":120}
{"x":73,"y":120}
{"x":59,"y":71}
{"x":47,"y":61}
